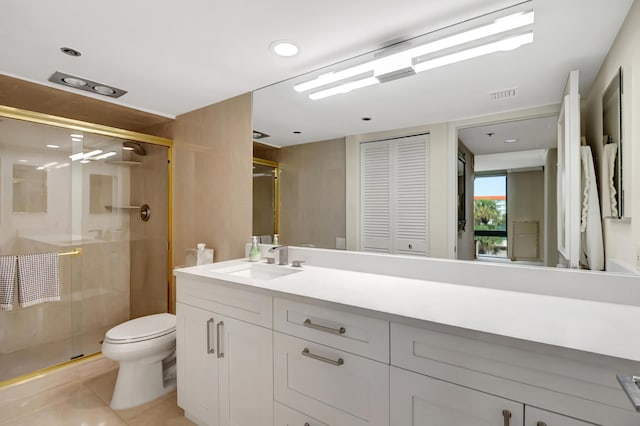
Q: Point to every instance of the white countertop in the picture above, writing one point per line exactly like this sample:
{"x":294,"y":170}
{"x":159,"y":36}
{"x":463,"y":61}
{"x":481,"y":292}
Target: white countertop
{"x":602,"y":328}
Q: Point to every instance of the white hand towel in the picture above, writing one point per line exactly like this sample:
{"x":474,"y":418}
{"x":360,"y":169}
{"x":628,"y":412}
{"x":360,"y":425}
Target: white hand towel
{"x":7,"y":282}
{"x":38,"y":280}
{"x":592,"y":254}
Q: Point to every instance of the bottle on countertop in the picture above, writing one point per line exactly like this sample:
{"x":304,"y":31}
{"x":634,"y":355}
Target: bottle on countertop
{"x":276,"y":239}
{"x":254,"y":251}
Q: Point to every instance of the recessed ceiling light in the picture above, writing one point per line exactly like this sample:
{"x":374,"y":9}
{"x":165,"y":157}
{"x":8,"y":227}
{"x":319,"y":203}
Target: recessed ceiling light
{"x":104,"y":90}
{"x":23,"y":161}
{"x":53,"y":146}
{"x":76,"y":139}
{"x":511,"y":140}
{"x":70,"y":51}
{"x":76,"y":135}
{"x":284,"y":48}
{"x":75,"y":82}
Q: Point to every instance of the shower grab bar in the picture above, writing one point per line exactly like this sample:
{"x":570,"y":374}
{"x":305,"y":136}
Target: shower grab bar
{"x":75,"y":252}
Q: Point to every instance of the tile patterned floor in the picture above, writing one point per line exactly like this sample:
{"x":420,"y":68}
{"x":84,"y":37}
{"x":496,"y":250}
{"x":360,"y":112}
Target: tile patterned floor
{"x":86,"y":403}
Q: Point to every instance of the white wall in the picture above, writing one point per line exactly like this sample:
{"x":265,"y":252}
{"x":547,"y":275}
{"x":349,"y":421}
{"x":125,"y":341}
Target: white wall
{"x":525,"y":202}
{"x":621,"y":238}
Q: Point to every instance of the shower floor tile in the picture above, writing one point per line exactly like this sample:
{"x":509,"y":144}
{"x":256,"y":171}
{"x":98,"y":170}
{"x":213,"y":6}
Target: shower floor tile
{"x":48,"y":354}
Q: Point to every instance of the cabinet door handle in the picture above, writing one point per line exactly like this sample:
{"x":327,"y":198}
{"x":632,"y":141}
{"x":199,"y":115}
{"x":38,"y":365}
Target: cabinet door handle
{"x":210,"y":350}
{"x":307,"y":353}
{"x":541,"y":424}
{"x":630,"y":385}
{"x":220,"y":331}
{"x":506,"y":414}
{"x":338,"y":331}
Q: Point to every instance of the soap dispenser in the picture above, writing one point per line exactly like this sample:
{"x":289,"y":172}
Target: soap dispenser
{"x":276,"y":239}
{"x":254,"y":251}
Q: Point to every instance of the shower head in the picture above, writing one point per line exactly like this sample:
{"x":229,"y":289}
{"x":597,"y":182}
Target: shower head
{"x":135,"y":147}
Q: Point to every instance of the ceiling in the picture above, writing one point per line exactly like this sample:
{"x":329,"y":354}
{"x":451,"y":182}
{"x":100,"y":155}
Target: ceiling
{"x":173,"y":57}
{"x":572,"y":34}
{"x":531,"y":134}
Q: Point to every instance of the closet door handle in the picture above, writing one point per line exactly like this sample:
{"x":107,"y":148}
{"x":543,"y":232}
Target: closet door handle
{"x":506,"y":414}
{"x":308,"y":354}
{"x":210,"y":350}
{"x":220,"y":331}
{"x":338,"y":331}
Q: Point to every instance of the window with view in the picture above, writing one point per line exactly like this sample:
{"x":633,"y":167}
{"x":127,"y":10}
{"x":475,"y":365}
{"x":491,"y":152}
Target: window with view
{"x":490,"y":215}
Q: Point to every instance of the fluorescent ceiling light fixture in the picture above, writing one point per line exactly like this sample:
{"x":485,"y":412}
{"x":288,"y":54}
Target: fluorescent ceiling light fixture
{"x":60,"y":166}
{"x":77,"y":135}
{"x":76,"y":139}
{"x":53,"y":146}
{"x":107,"y":155}
{"x":284,"y":48}
{"x":498,"y":46}
{"x":23,"y":161}
{"x":344,"y":88}
{"x":405,"y":59}
{"x":85,"y":161}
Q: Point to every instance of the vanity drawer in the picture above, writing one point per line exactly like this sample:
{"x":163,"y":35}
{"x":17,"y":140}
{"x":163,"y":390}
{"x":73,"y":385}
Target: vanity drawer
{"x":357,"y":334}
{"x":285,"y":416}
{"x":205,"y":293}
{"x":335,"y":387}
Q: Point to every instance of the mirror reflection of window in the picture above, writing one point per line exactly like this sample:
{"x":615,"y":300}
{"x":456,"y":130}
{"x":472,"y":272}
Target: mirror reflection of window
{"x":29,"y":189}
{"x":490,"y":215}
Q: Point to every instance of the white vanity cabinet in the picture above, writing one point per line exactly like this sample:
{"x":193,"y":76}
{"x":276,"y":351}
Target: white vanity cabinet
{"x":418,"y":400}
{"x":225,"y":364}
{"x":536,"y":417}
{"x":321,"y":372}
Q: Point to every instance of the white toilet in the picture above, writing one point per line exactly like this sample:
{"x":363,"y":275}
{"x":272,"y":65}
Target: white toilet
{"x":145,"y":348}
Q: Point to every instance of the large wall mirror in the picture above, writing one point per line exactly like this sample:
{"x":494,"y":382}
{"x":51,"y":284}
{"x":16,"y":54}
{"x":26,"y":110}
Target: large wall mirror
{"x":612,"y":184}
{"x":316,"y":137}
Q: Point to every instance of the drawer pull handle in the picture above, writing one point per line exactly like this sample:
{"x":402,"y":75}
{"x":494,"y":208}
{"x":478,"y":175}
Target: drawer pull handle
{"x":541,"y":424}
{"x":338,"y":363}
{"x":210,"y":350}
{"x":507,"y":415}
{"x":338,"y":331}
{"x":220,"y":332}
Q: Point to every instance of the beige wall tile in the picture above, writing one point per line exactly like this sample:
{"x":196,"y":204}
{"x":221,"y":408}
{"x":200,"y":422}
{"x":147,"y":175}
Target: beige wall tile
{"x":212,"y":179}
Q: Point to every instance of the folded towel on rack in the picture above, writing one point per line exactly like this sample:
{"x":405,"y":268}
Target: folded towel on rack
{"x":7,"y":282}
{"x":38,"y":279}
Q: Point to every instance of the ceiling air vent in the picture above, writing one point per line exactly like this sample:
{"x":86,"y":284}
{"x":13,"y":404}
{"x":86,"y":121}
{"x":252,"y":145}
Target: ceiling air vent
{"x":501,"y":95}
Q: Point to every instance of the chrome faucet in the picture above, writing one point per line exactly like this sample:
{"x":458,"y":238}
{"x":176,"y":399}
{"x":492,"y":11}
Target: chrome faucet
{"x":283,"y":254}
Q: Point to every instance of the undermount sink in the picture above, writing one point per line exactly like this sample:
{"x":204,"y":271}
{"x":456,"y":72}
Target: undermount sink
{"x":257,"y":271}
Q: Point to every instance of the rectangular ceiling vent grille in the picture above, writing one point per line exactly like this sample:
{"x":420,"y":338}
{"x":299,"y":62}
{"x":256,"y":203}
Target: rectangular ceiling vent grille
{"x":500,"y":95}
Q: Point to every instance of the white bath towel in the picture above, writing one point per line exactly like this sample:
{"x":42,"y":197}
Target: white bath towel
{"x":592,"y":253}
{"x":38,"y":280}
{"x":609,"y":199}
{"x":7,"y":282}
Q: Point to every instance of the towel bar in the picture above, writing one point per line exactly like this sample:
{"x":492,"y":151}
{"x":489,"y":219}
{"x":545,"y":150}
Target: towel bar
{"x":75,"y":252}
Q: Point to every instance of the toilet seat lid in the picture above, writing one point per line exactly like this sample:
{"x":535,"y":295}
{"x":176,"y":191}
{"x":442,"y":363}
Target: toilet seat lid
{"x":143,"y":328}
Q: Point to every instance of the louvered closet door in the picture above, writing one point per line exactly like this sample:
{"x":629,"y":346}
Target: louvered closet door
{"x":394,"y":195}
{"x":375,"y":197}
{"x":410,"y":195}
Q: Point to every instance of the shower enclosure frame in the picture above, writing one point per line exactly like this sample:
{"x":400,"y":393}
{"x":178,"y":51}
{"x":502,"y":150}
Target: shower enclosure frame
{"x":99,"y":129}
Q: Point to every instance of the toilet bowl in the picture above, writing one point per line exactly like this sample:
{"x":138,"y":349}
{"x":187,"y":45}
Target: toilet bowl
{"x":145,"y":348}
